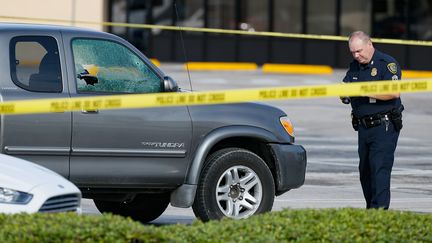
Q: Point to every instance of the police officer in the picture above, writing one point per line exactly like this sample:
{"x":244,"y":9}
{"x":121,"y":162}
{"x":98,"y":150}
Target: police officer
{"x":377,"y":118}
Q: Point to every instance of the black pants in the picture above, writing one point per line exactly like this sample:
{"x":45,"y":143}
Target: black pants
{"x":376,"y":148}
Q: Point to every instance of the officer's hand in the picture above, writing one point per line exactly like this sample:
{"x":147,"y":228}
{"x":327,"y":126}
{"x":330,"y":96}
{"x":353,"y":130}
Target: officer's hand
{"x":345,"y":99}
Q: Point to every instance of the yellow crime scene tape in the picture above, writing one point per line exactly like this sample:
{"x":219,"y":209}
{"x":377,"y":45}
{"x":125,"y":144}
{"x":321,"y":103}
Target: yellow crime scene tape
{"x":213,"y":97}
{"x":219,"y":31}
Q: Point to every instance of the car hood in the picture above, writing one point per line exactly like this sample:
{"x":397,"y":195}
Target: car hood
{"x":22,"y":175}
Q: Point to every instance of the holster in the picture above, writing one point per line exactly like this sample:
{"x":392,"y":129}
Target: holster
{"x":396,"y":117}
{"x":355,"y":122}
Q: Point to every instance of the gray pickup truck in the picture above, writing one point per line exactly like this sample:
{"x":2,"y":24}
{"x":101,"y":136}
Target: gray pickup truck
{"x":223,"y":160}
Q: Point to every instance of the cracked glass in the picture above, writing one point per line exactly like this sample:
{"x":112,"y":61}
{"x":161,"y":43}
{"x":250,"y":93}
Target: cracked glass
{"x":108,"y":67}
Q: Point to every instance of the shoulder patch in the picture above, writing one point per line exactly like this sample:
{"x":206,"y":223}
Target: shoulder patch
{"x":392,"y":67}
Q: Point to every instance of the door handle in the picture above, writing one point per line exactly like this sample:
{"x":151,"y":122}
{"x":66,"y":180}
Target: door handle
{"x":89,"y":111}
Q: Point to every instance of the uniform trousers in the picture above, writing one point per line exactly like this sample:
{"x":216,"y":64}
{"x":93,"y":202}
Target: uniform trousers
{"x":376,"y":147}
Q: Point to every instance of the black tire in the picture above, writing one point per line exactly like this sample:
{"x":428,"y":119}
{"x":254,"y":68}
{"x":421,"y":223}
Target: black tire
{"x":256,"y":184}
{"x":144,"y":207}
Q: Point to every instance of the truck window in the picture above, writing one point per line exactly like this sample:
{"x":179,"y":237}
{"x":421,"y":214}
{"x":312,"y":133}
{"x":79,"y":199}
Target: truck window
{"x":35,"y":63}
{"x":108,"y":67}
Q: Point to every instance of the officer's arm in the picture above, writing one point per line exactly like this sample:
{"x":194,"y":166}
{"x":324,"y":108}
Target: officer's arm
{"x":393,"y":72}
{"x":347,"y":79}
{"x":386,"y":96}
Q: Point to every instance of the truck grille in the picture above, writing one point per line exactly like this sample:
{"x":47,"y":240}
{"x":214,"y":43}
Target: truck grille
{"x":64,"y":203}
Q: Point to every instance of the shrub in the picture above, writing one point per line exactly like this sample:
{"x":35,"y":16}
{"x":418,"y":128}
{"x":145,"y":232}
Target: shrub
{"x":329,"y":225}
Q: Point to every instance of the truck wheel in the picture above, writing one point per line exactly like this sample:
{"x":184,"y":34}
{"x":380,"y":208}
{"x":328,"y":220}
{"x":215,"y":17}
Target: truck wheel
{"x":144,"y":207}
{"x":235,"y":183}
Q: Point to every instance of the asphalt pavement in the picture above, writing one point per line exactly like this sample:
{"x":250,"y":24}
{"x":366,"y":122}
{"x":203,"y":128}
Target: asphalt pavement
{"x":323,"y":127}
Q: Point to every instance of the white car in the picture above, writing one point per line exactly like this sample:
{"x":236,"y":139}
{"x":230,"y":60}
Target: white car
{"x":28,"y":187}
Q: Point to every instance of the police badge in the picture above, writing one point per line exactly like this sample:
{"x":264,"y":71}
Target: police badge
{"x":392,"y":67}
{"x":374,"y":72}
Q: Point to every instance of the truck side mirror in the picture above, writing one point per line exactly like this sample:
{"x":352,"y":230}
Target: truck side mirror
{"x":170,"y":85}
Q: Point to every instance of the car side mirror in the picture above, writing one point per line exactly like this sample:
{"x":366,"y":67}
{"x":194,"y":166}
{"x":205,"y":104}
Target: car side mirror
{"x":170,"y":85}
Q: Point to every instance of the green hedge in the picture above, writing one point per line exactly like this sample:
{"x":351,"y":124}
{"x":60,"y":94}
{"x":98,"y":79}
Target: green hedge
{"x":330,"y":225}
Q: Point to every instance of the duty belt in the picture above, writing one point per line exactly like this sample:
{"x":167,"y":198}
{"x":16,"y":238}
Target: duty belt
{"x":374,"y":120}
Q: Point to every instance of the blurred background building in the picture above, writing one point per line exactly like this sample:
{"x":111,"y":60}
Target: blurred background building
{"x":67,"y":10}
{"x":396,"y":19}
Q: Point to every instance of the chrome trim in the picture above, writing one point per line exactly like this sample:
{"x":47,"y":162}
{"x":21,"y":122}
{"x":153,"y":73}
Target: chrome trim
{"x":30,"y":150}
{"x":129,"y":152}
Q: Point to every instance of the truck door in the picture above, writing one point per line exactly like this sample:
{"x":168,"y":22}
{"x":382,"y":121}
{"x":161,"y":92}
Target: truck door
{"x":132,"y":147}
{"x":36,"y":72}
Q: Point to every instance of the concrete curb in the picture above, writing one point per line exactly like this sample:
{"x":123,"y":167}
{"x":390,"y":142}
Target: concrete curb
{"x":221,"y":66}
{"x":279,"y":68}
{"x":407,"y":74}
{"x":297,"y":69}
{"x":155,"y":62}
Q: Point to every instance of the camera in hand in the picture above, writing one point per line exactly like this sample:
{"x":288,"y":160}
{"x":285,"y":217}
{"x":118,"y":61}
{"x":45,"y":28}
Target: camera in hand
{"x":345,"y":100}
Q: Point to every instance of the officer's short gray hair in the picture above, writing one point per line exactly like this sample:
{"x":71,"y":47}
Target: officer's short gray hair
{"x":365,"y":38}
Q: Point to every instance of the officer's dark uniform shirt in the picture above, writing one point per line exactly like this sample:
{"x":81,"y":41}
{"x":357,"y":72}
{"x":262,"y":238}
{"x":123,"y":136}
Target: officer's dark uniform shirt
{"x":381,"y":67}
